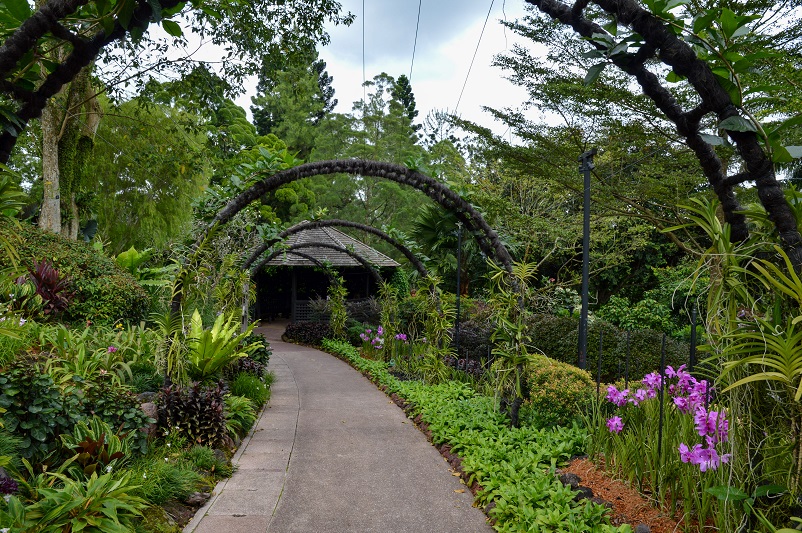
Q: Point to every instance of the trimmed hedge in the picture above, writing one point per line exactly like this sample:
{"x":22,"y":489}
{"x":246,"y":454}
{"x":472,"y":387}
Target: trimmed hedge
{"x":104,"y":293}
{"x":558,"y":392}
{"x":558,"y":338}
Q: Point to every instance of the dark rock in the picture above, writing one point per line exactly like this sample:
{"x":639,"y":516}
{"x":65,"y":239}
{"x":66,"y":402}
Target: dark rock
{"x":220,"y":455}
{"x":584,"y":492}
{"x":151,"y":411}
{"x":147,"y":397}
{"x":196,"y":499}
{"x":642,"y":528}
{"x":602,"y":502}
{"x":571,"y":480}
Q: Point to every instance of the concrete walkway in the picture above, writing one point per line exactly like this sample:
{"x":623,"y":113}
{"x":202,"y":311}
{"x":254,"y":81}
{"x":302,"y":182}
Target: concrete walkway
{"x":331,"y":453}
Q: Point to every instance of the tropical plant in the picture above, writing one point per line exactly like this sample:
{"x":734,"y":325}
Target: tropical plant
{"x":97,"y":448}
{"x":54,"y":289}
{"x":211,"y":350}
{"x":338,"y":313}
{"x":132,"y":260}
{"x":195,"y":412}
{"x":240,"y":415}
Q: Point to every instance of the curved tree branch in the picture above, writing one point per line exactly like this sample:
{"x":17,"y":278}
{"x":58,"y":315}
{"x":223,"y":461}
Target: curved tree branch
{"x":678,"y":55}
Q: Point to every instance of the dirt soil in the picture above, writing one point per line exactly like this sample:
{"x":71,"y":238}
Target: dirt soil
{"x":629,"y":506}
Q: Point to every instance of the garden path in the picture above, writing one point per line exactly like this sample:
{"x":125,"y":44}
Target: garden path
{"x":331,"y":453}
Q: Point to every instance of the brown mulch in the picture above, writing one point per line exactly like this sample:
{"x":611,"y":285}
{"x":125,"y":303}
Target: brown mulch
{"x":629,"y":506}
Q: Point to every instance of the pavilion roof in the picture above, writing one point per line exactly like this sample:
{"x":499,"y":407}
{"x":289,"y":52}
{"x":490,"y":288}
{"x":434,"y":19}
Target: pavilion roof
{"x":334,"y":237}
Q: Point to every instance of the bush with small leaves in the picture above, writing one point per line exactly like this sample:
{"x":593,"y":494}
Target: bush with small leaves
{"x":558,"y":392}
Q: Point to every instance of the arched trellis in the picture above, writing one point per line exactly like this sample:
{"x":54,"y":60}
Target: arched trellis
{"x":472,"y":220}
{"x":314,"y":260}
{"x":259,"y":250}
{"x":375,"y":275}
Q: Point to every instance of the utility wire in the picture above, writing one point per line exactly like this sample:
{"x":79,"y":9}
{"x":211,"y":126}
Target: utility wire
{"x":415,"y":44}
{"x":474,"y":57}
{"x":364,"y":79}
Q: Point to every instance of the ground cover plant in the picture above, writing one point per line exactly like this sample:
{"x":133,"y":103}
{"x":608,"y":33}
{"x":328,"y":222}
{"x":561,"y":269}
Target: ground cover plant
{"x":511,"y":467}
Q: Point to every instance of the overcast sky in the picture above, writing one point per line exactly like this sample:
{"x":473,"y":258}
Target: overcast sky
{"x":447,"y":37}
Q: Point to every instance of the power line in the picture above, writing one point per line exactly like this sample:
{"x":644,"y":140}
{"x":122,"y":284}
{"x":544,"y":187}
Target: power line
{"x":415,"y":44}
{"x":474,"y":57}
{"x":364,"y":79}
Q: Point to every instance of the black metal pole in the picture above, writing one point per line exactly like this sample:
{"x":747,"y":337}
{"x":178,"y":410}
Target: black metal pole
{"x":693,"y":339}
{"x":459,"y":287}
{"x":587,"y":165}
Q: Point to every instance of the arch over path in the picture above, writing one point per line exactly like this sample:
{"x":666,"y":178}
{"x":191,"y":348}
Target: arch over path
{"x":259,"y":250}
{"x":375,"y":275}
{"x":473,"y":221}
{"x":485,"y":236}
{"x":308,"y":257}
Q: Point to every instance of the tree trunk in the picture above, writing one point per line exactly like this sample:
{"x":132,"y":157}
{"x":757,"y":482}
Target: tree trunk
{"x":50,"y":215}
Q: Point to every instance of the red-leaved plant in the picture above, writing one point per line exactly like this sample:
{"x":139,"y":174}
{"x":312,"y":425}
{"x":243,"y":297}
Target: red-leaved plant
{"x":50,"y":286}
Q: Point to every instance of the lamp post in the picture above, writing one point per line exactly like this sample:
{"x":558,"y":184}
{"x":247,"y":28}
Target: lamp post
{"x":459,"y":286}
{"x":586,"y":166}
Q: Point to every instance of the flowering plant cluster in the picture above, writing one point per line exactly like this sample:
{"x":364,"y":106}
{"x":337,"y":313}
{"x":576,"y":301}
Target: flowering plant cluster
{"x":690,"y":397}
{"x":373,"y":340}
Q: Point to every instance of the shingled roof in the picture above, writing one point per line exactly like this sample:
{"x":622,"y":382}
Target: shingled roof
{"x":338,"y":259}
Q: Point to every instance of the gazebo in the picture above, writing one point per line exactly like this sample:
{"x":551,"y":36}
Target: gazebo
{"x":290,"y":281}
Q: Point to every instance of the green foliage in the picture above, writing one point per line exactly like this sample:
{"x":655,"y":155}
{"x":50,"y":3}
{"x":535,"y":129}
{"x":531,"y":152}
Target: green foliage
{"x":557,"y":338}
{"x":132,"y":262}
{"x":99,"y":504}
{"x":645,"y":314}
{"x":161,"y":479}
{"x":36,"y":410}
{"x":205,"y":459}
{"x":240,"y":415}
{"x":103,"y":293}
{"x":339,"y":314}
{"x":251,"y":387}
{"x":196,"y":412}
{"x":210,"y":350}
{"x":259,"y":347}
{"x":96,"y":448}
{"x":514,"y":466}
{"x":558,"y":392}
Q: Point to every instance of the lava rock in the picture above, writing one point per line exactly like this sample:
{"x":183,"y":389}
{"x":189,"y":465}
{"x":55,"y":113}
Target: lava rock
{"x":584,"y":492}
{"x":196,"y":499}
{"x":147,"y":397}
{"x":599,"y":501}
{"x":642,"y":528}
{"x":571,"y":480}
{"x":151,"y":411}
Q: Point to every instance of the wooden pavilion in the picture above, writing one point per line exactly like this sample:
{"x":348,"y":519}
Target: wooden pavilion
{"x":289,"y":282}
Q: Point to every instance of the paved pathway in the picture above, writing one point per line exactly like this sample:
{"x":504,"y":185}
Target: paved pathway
{"x":331,"y":453}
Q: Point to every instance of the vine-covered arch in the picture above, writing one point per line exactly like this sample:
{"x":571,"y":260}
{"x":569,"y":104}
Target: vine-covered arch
{"x":313,"y":260}
{"x":375,"y":275}
{"x":487,"y":239}
{"x":259,"y":250}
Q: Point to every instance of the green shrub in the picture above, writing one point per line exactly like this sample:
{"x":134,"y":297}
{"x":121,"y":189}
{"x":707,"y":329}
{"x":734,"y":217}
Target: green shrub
{"x":240,"y":415}
{"x":261,"y":352}
{"x":36,"y":410}
{"x":145,"y":377}
{"x":558,"y":392}
{"x":251,"y":387}
{"x":103,"y":291}
{"x":161,"y":480}
{"x":557,"y":337}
